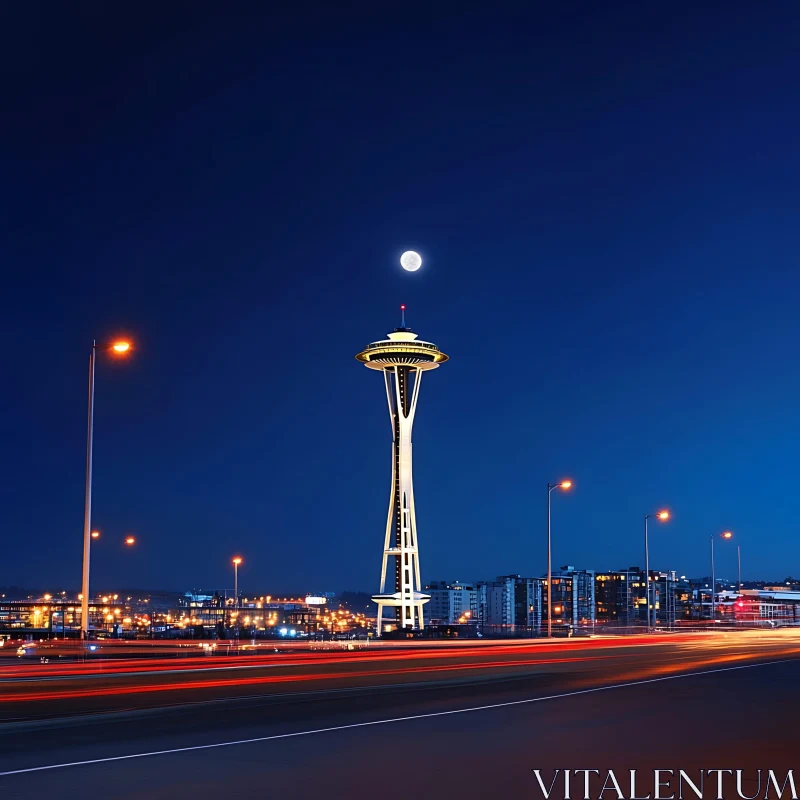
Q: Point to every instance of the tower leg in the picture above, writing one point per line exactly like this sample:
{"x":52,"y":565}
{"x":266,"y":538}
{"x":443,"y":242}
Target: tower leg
{"x":400,"y":541}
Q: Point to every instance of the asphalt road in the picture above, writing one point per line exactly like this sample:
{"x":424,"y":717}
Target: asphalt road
{"x":31,"y":691}
{"x":462,"y":731}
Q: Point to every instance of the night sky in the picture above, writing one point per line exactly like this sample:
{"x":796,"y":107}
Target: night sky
{"x":605,"y":196}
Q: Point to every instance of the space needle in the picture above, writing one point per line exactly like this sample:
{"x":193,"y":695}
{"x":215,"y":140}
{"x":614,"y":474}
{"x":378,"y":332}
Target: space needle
{"x":402,"y":358}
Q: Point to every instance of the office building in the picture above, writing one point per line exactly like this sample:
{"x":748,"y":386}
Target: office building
{"x":573,"y":597}
{"x":510,"y":605}
{"x":451,"y":603}
{"x":619,"y":597}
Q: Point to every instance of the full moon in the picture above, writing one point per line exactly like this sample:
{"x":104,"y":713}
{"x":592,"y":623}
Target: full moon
{"x":410,"y":261}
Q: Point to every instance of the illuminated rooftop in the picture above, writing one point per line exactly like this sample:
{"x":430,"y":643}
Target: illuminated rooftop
{"x":401,"y":348}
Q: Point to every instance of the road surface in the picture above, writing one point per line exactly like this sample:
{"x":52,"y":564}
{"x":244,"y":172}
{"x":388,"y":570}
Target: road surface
{"x":464,"y":722}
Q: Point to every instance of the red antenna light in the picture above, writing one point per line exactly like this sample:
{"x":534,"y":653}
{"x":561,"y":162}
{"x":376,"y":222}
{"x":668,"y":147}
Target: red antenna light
{"x":402,"y":308}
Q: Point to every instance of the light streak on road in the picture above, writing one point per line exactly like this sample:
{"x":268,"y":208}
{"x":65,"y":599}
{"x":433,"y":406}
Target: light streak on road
{"x":583,"y":663}
{"x":389,"y":721}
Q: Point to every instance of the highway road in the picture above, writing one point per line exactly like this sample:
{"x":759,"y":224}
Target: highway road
{"x":466,"y":721}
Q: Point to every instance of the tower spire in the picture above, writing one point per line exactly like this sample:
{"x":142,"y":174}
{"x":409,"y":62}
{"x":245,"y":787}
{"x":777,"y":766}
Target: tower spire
{"x":402,"y":360}
{"x":403,"y":315}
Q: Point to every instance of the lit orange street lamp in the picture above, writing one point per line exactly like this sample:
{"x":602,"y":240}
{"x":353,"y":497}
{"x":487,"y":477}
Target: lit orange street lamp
{"x":550,"y":486}
{"x":236,"y":561}
{"x":118,"y":348}
{"x":663,"y":516}
{"x":129,"y":540}
{"x":713,"y":614}
{"x":95,"y":534}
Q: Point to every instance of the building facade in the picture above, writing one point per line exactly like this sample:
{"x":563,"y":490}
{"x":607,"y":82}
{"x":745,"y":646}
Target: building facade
{"x":772,"y":606}
{"x":670,"y":599}
{"x":510,"y":605}
{"x":619,"y":597}
{"x":622,"y":601}
{"x":451,"y":603}
{"x":573,"y":597}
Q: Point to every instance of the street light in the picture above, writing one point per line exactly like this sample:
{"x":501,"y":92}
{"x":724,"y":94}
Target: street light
{"x":739,"y":562}
{"x":550,"y":486}
{"x":713,"y":614}
{"x":118,"y":348}
{"x":663,"y":516}
{"x":130,"y":540}
{"x":236,"y":561}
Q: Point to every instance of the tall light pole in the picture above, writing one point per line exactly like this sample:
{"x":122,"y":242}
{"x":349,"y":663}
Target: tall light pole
{"x":117,"y":348}
{"x":550,"y":486}
{"x":713,"y":614}
{"x":236,"y":562}
{"x":663,"y":516}
{"x":739,"y":561}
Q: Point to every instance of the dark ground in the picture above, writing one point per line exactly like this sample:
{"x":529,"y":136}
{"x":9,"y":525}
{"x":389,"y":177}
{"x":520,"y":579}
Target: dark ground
{"x":738,"y":717}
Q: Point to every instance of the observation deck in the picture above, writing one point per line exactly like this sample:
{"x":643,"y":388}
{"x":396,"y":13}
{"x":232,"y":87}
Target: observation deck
{"x":401,"y":348}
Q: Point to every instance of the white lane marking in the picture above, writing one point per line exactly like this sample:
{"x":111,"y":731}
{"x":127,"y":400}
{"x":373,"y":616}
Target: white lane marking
{"x":391,"y":720}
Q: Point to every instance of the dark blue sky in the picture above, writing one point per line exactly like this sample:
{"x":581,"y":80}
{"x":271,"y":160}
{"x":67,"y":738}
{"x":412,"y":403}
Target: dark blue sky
{"x":606,"y":200}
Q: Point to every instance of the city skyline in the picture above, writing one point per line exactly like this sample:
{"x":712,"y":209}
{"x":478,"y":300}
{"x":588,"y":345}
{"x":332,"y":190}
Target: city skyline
{"x":256,"y":587}
{"x":617,"y":300}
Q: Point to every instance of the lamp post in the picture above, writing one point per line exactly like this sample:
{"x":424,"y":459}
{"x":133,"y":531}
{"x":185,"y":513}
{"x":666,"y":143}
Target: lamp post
{"x":236,"y":562}
{"x":663,"y":516}
{"x":118,"y":349}
{"x":739,"y":562}
{"x":550,"y":486}
{"x":130,"y":541}
{"x":713,"y":614}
